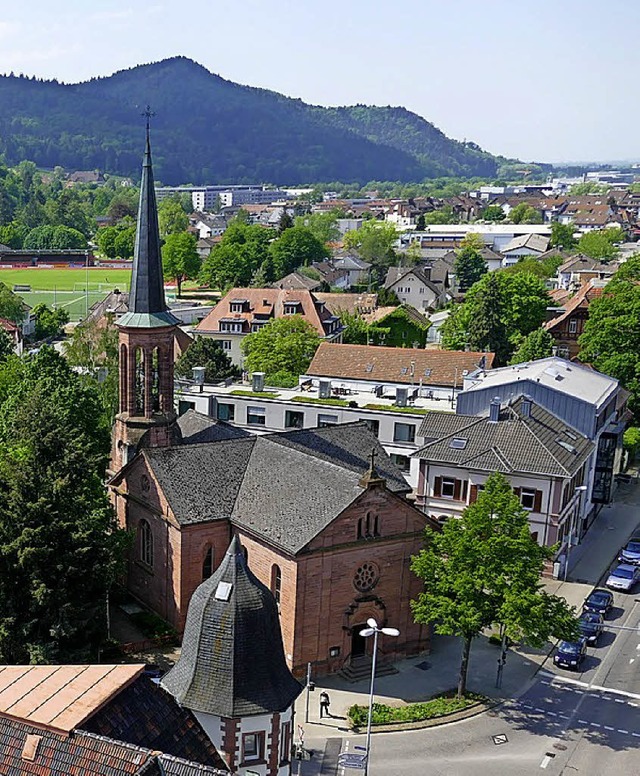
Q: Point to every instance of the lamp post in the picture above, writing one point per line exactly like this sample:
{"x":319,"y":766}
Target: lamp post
{"x":579,"y":490}
{"x":372,"y":629}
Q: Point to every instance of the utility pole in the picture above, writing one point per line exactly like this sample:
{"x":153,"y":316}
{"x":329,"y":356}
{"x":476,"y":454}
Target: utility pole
{"x":306,"y":710}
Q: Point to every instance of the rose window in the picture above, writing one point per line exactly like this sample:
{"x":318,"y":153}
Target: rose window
{"x":366,"y":577}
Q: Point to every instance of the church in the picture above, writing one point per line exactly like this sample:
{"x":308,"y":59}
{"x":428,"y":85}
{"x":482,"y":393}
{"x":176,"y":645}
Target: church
{"x":322,"y":515}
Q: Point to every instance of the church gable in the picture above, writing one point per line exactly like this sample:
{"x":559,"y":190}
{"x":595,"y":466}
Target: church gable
{"x":140,"y":484}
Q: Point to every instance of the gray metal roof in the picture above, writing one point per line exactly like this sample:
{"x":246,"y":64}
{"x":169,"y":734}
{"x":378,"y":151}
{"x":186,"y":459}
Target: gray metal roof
{"x":285,"y":487}
{"x":540,"y":444}
{"x":147,"y":306}
{"x":197,"y":428}
{"x":232,"y":662}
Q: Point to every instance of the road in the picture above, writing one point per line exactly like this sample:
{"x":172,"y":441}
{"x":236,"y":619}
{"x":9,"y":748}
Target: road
{"x":565,"y":722}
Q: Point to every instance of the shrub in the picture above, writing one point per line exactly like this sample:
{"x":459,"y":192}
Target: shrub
{"x":438,"y":706}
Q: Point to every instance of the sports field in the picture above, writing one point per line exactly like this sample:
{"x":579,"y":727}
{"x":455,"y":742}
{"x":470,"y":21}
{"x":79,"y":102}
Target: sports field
{"x":76,"y":290}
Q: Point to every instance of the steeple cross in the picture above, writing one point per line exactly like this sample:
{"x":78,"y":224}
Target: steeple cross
{"x":148,"y":113}
{"x":373,"y":457}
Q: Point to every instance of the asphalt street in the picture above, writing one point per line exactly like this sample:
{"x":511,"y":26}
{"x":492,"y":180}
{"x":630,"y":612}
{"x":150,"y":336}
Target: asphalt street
{"x":566,"y":722}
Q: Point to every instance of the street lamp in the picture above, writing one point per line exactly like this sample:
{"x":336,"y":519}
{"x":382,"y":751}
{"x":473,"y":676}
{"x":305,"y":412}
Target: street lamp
{"x":372,"y":629}
{"x":579,"y":490}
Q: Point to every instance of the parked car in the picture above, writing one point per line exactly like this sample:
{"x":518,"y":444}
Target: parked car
{"x":591,"y":625}
{"x":599,"y":601}
{"x":570,"y":654}
{"x":623,"y":577}
{"x":631,"y":552}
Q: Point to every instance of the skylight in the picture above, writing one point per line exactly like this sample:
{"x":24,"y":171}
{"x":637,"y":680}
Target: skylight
{"x":427,"y":372}
{"x":458,"y":443}
{"x":223,"y":591}
{"x":566,"y":446}
{"x":368,"y":368}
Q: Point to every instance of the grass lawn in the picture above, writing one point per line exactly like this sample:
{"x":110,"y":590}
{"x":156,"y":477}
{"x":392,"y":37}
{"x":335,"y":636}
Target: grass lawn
{"x":64,"y":279}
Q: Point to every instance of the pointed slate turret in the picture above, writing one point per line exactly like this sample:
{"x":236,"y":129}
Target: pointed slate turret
{"x":232,"y":662}
{"x":147,"y":306}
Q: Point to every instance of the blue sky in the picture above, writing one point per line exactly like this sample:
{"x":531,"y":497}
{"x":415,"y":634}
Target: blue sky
{"x":546,"y":80}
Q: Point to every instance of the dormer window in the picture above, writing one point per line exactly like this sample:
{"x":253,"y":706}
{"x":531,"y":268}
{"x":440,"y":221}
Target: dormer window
{"x":291,"y":308}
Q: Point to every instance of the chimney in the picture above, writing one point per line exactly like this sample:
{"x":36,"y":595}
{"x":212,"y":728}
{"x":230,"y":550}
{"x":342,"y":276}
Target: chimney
{"x":525,"y":406}
{"x":494,"y":410}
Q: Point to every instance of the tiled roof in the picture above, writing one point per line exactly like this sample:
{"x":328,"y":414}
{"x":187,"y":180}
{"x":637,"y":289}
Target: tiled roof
{"x":296,"y":280}
{"x":57,"y":754}
{"x":422,"y":273}
{"x":176,"y":766}
{"x":534,"y":242}
{"x":266,"y":301}
{"x":255,"y":482}
{"x":145,"y":715}
{"x":582,"y":298}
{"x":196,"y":428}
{"x":540,"y":444}
{"x":395,"y":365}
{"x":61,"y":697}
{"x":350,"y":303}
{"x":232,"y":661}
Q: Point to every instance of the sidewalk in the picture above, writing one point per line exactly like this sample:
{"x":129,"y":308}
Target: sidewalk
{"x":421,"y":677}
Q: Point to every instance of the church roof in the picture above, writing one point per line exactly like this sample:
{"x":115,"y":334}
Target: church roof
{"x":232,"y":662}
{"x":147,"y":306}
{"x":286,"y":487}
{"x":196,"y":427}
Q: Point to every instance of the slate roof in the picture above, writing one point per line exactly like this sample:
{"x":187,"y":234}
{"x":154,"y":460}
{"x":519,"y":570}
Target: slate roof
{"x":145,"y":715}
{"x":147,"y":306}
{"x":540,"y":444}
{"x":196,"y":428}
{"x":256,"y":482}
{"x":379,"y":364}
{"x":395,"y":274}
{"x":232,"y":662}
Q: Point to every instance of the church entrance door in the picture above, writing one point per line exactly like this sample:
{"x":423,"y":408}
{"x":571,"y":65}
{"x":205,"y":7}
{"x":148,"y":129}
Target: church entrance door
{"x":358,"y":642}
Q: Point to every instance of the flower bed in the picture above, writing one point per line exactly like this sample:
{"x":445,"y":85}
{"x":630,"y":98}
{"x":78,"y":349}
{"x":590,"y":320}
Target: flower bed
{"x":393,"y":408}
{"x":313,"y":400}
{"x":255,"y":394}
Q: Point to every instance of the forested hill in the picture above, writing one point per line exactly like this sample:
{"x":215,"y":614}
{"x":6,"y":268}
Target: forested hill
{"x":209,"y":130}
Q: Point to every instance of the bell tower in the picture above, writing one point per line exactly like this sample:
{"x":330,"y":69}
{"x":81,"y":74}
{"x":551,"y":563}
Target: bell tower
{"x":146,"y":414}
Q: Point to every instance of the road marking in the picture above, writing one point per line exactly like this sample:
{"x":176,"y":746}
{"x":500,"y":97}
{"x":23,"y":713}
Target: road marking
{"x":540,"y":711}
{"x":597,"y":688}
{"x":583,"y":721}
{"x":637,"y":735}
{"x":594,"y":724}
{"x":619,"y":700}
{"x":608,"y":727}
{"x":545,"y":761}
{"x":552,"y":713}
{"x":626,"y":732}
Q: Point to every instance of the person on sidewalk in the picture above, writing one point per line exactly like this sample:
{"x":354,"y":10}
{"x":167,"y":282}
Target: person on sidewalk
{"x":324,"y":704}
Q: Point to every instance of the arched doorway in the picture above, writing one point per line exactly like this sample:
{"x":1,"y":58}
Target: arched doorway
{"x":358,"y":642}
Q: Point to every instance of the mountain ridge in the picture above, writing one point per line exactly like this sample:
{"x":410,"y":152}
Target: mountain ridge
{"x":208,"y":129}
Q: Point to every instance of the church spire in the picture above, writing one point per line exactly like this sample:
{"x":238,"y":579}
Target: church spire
{"x":147,"y":306}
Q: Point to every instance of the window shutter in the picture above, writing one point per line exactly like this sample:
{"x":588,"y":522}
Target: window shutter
{"x":465,"y":488}
{"x":437,"y":487}
{"x":456,"y":490}
{"x":473,"y":494}
{"x":537,"y":501}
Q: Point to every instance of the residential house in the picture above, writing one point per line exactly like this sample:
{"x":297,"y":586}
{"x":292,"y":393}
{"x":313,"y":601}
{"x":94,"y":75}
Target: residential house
{"x":567,"y":326}
{"x":354,"y":304}
{"x":208,"y":224}
{"x":14,"y":332}
{"x":356,"y":268}
{"x":544,"y":459}
{"x":574,"y":272}
{"x":593,"y":404}
{"x":296,"y":281}
{"x":245,"y":310}
{"x":397,"y":327}
{"x":413,"y":286}
{"x":434,"y":334}
{"x":524,"y":245}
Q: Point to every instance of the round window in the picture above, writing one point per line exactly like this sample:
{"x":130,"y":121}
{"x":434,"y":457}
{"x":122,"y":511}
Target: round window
{"x":366,"y":577}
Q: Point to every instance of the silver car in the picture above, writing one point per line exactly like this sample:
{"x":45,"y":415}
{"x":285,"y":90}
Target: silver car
{"x":623,"y":577}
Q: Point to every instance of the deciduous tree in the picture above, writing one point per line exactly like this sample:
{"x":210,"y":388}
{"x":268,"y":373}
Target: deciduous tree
{"x":206,"y":352}
{"x":296,"y":246}
{"x":537,"y":344}
{"x":483,"y":569}
{"x":180,"y":260}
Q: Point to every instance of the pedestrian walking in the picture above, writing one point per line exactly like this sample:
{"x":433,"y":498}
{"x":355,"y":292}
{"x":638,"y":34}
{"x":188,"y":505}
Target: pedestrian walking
{"x":324,"y":705}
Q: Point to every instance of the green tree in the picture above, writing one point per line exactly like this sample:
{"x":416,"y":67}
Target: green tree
{"x":49,"y":323}
{"x":180,"y":260}
{"x":525,"y":214}
{"x":611,"y":337}
{"x":442,"y":216}
{"x":283,"y":347}
{"x":493,"y":213}
{"x":11,"y":305}
{"x":206,"y":352}
{"x":235,"y":260}
{"x":588,"y":187}
{"x":59,"y":543}
{"x":487,"y":329}
{"x":537,"y":344}
{"x":106,"y":241}
{"x":631,"y":442}
{"x":13,"y":234}
{"x":375,"y":242}
{"x":600,"y":243}
{"x":483,"y":569}
{"x":356,"y":329}
{"x":285,"y":222}
{"x":171,"y":217}
{"x":469,"y":266}
{"x":294,"y":247}
{"x":124,"y":243}
{"x":562,"y":236}
{"x":6,"y":345}
{"x":94,"y":347}
{"x":323,"y":226}
{"x":420,"y":222}
{"x":66,"y":237}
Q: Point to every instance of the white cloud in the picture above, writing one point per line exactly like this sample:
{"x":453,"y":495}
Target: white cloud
{"x":111,"y":16}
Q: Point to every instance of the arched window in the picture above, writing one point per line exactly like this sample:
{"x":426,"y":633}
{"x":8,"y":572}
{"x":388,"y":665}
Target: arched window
{"x":367,"y":526}
{"x":146,"y":543}
{"x":359,"y":535}
{"x":276,"y":582}
{"x":207,"y":564}
{"x":376,"y":526}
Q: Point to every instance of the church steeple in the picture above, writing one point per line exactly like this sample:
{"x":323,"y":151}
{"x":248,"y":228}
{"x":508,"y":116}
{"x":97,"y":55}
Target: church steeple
{"x":146,"y":415}
{"x":147,"y":306}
